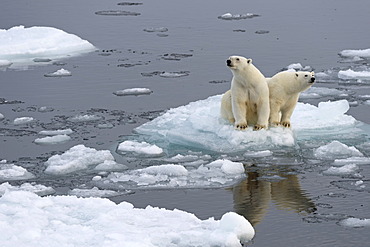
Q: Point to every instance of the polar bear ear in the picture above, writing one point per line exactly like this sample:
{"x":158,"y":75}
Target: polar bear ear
{"x":296,"y":74}
{"x":249,"y":60}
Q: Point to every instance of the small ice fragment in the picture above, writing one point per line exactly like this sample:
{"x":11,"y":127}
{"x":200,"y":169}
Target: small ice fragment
{"x":140,"y":148}
{"x":85,"y":118}
{"x":1,"y":117}
{"x":156,"y":29}
{"x":133,"y":91}
{"x":116,"y":13}
{"x":350,"y":74}
{"x":59,"y":73}
{"x":22,"y":120}
{"x":174,"y":74}
{"x":341,"y":171}
{"x":13,"y":172}
{"x":336,"y":149}
{"x":38,"y":189}
{"x":56,"y":132}
{"x":355,"y":222}
{"x":229,"y":16}
{"x":52,"y":139}
{"x":355,"y":53}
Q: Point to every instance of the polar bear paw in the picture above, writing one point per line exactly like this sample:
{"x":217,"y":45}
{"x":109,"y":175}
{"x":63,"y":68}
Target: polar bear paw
{"x":275,"y":124}
{"x":259,"y":127}
{"x":286,"y":124}
{"x":241,"y":126}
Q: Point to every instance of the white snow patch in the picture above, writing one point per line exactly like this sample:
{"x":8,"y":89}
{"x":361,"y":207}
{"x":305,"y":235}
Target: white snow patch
{"x":70,"y":221}
{"x":335,"y":150}
{"x":38,"y":189}
{"x":350,"y":74}
{"x":21,"y":44}
{"x":140,"y":148}
{"x":75,"y":159}
{"x":22,"y":120}
{"x":49,"y":140}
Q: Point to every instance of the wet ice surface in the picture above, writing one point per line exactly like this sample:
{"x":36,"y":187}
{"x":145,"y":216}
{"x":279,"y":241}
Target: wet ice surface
{"x":309,"y":183}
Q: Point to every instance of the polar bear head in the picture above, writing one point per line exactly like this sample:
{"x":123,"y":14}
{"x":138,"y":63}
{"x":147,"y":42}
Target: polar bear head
{"x":305,"y":79}
{"x":238,"y":62}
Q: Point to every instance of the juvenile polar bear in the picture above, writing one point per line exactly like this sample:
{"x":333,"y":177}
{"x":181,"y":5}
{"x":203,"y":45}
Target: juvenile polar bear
{"x":285,"y":88}
{"x":247,"y":102}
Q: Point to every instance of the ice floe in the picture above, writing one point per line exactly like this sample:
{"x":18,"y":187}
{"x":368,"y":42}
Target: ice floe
{"x":133,"y":91}
{"x":336,"y":150}
{"x":23,"y":120}
{"x":38,"y":189}
{"x":1,"y":116}
{"x":355,"y":53}
{"x":21,"y":44}
{"x":56,"y":132}
{"x":355,"y":222}
{"x":218,"y":173}
{"x":95,"y":192}
{"x":350,"y":74}
{"x":229,"y":16}
{"x":9,"y":172}
{"x":55,"y":220}
{"x":59,"y":73}
{"x":345,"y":170}
{"x":298,"y":66}
{"x":75,"y":159}
{"x":52,"y":139}
{"x":199,"y":125}
{"x":139,"y":148}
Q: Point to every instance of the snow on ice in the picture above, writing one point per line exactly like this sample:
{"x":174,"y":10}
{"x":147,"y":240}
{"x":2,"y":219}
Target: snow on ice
{"x":23,"y":44}
{"x":199,"y":125}
{"x":55,"y":220}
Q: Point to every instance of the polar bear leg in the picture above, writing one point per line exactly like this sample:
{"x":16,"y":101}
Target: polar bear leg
{"x":239,"y":109}
{"x":226,"y":109}
{"x":274,"y":114}
{"x":287,"y":112}
{"x":263,"y":113}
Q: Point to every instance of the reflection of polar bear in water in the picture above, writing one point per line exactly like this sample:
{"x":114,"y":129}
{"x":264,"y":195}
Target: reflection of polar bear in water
{"x":248,"y":100}
{"x":285,"y":88}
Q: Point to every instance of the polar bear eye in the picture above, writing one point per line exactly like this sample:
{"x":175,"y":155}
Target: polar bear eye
{"x":306,"y":76}
{"x":237,"y":59}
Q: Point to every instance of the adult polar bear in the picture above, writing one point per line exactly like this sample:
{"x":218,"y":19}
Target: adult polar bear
{"x":284,"y":90}
{"x":248,"y":100}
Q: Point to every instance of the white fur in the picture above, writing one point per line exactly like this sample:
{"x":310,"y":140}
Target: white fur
{"x":285,"y":88}
{"x":247,"y":102}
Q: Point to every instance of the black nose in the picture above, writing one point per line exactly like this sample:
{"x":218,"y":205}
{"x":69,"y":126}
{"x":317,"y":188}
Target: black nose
{"x":312,"y":79}
{"x":228,"y":62}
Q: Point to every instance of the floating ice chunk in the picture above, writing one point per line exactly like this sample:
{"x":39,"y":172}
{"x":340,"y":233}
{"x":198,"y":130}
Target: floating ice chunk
{"x":71,"y":221}
{"x":229,"y":16}
{"x":12,"y":172}
{"x":215,"y":174}
{"x":56,"y":132}
{"x":258,"y":154}
{"x":350,"y":74}
{"x":38,"y":189}
{"x":75,"y":159}
{"x":355,"y":53}
{"x":85,"y":118}
{"x":297,"y":66}
{"x":52,"y":139}
{"x":45,"y":109}
{"x":95,"y":192}
{"x":22,"y":120}
{"x":349,"y":169}
{"x":4,"y":64}
{"x":59,"y":73}
{"x":238,"y":228}
{"x":199,"y":125}
{"x":110,"y":165}
{"x":20,"y":44}
{"x":352,"y":160}
{"x":139,"y":148}
{"x":355,"y":222}
{"x":117,"y":13}
{"x":174,"y":74}
{"x":133,"y":91}
{"x":336,"y":149}
{"x":1,"y":117}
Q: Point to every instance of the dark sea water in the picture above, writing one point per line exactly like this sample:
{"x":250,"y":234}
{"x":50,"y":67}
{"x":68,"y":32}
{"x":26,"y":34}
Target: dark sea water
{"x":303,"y":209}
